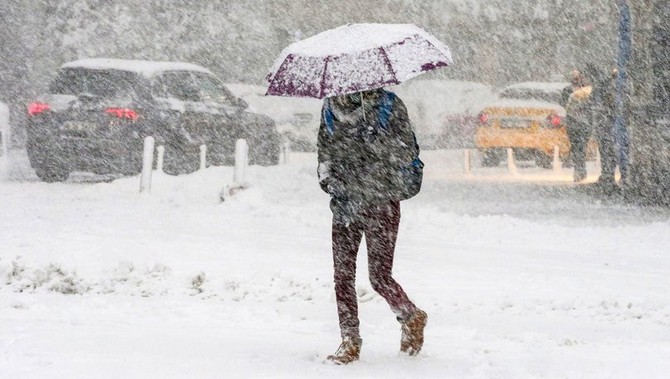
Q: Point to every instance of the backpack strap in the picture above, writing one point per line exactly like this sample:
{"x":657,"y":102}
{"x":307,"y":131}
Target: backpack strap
{"x":385,"y":109}
{"x":328,"y":117}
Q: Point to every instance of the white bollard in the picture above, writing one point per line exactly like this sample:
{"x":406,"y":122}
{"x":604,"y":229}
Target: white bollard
{"x":240,"y":172}
{"x":286,"y":150}
{"x":203,"y":157}
{"x":6,"y":136}
{"x":556,"y":163}
{"x":467,"y":161}
{"x":241,"y":161}
{"x":511,"y":165}
{"x":147,"y":164}
{"x":159,"y":159}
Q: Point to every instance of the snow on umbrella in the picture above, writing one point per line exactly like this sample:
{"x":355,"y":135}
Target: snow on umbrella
{"x":355,"y":57}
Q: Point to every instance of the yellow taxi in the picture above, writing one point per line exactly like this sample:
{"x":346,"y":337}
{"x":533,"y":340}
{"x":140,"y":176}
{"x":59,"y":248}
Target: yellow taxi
{"x":528,"y":118}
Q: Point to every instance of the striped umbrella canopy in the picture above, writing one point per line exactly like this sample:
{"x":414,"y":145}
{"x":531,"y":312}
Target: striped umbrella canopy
{"x":353,"y":58}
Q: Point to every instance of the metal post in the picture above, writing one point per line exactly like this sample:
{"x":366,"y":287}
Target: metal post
{"x":203,"y":157}
{"x":241,"y":161}
{"x":286,"y":149}
{"x":556,"y":164}
{"x":511,"y":165}
{"x":467,"y":161}
{"x":147,"y":164}
{"x":6,"y":136}
{"x":159,"y":159}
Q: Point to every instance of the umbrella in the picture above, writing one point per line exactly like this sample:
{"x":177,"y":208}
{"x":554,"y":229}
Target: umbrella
{"x":355,"y":57}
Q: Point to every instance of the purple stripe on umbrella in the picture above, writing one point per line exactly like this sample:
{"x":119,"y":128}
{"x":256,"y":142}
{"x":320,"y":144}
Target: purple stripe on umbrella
{"x":432,"y":65}
{"x":281,"y":85}
{"x":389,"y":66}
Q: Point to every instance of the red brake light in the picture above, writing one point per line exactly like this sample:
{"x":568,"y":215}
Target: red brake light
{"x":126,"y":113}
{"x":483,"y":118}
{"x":37,"y":108}
{"x":555,"y":120}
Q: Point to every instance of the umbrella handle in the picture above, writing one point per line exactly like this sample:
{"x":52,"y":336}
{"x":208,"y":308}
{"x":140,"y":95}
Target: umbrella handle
{"x":362,"y":105}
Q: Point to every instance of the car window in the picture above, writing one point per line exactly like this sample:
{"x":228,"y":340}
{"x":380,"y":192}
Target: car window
{"x":211,"y":89}
{"x":103,"y":83}
{"x":531,"y":94}
{"x":176,"y":85}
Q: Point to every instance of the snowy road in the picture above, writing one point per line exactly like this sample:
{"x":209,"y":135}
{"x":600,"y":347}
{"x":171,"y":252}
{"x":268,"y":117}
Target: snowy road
{"x":522,"y":276}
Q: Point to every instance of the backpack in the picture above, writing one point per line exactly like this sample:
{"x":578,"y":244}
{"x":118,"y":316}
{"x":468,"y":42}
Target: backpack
{"x":409,"y":177}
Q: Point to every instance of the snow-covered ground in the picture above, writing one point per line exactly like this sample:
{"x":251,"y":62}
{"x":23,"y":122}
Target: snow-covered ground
{"x":522,"y":276}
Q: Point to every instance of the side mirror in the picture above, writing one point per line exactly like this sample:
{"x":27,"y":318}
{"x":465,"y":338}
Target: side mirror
{"x":241,"y":103}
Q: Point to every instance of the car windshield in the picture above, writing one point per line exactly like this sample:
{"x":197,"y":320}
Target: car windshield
{"x":212,"y":90}
{"x":103,"y":83}
{"x":531,"y":94}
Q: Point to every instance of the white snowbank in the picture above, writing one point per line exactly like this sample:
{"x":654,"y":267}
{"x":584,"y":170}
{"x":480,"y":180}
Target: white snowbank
{"x":519,"y":278}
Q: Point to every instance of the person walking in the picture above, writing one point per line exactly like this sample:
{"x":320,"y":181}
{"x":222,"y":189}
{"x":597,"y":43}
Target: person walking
{"x":578,"y":124}
{"x":366,"y":148}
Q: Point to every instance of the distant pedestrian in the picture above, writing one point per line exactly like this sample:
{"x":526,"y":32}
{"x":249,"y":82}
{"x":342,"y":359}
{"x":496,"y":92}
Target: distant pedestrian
{"x":604,"y":117}
{"x":576,"y":82}
{"x":368,"y":162}
{"x":578,"y":123}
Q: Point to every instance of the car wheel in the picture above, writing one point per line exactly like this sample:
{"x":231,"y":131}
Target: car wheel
{"x":180,"y":160}
{"x":490,"y":158}
{"x":52,"y":173}
{"x":268,"y":159}
{"x":219,"y":154}
{"x":543,"y":161}
{"x":266,"y":151}
{"x":268,"y":156}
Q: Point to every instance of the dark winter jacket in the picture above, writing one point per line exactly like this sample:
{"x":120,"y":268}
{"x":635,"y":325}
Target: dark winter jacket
{"x":578,"y":110}
{"x":360,"y":156}
{"x":603,"y":106}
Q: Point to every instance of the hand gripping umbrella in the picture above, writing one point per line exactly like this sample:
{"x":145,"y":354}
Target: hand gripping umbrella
{"x":353,"y":58}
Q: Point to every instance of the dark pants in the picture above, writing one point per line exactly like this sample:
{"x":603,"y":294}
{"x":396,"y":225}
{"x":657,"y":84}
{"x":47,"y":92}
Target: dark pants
{"x":379,"y":224}
{"x":608,"y":156}
{"x":578,"y":134}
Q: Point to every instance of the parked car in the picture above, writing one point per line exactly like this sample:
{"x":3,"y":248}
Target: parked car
{"x":297,"y":118}
{"x":528,"y":118}
{"x":440,"y":110}
{"x":98,"y":111}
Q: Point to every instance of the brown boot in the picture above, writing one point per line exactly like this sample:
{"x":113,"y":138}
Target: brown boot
{"x":349,"y":351}
{"x":411,"y":340}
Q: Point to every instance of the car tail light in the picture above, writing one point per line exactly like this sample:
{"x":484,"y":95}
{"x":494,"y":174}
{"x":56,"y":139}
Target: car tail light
{"x":484,"y":118}
{"x":37,"y":108}
{"x":126,"y":113}
{"x":554,"y":120}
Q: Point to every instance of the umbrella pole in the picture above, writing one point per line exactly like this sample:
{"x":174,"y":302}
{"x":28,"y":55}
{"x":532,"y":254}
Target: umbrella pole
{"x":362,"y":105}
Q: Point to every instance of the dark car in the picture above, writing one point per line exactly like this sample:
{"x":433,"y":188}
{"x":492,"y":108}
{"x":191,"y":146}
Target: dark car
{"x":98,"y":111}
